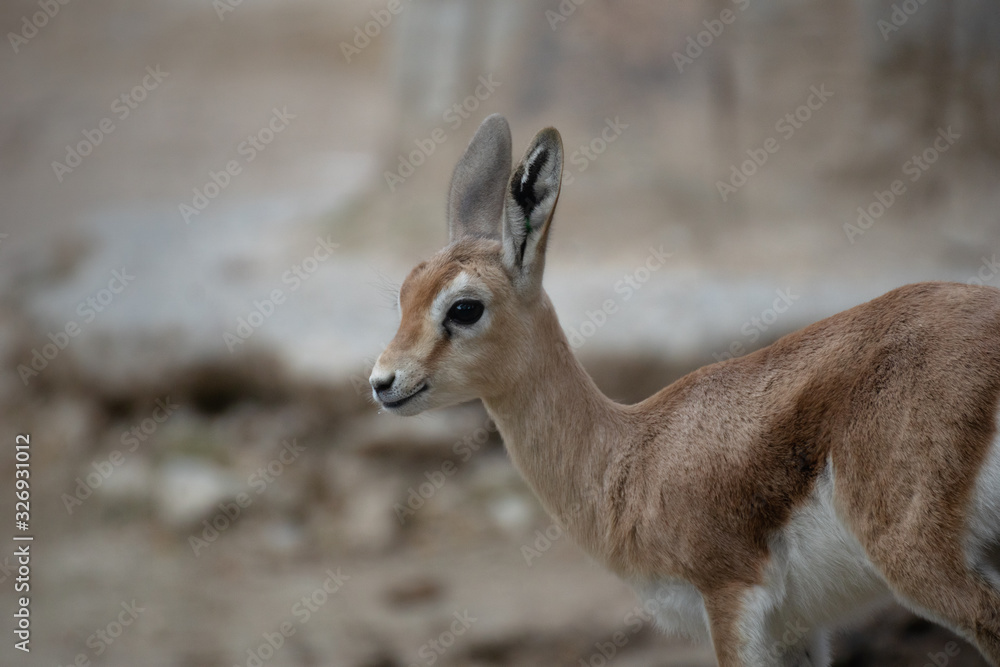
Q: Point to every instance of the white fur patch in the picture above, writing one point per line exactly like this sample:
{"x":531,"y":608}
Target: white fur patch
{"x":823,"y":569}
{"x":818,"y":574}
{"x":447,"y":294}
{"x":984,"y":515}
{"x":529,"y":162}
{"x":678,"y":608}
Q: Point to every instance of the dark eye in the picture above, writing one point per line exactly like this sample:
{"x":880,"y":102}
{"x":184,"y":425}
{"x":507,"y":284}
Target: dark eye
{"x":466,"y":311}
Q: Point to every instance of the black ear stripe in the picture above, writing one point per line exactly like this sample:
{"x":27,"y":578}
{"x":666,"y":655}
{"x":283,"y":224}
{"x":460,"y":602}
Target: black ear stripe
{"x":524,"y":182}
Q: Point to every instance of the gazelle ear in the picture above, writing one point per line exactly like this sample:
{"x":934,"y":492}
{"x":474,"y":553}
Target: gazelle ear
{"x":475,"y":201}
{"x":531,"y":200}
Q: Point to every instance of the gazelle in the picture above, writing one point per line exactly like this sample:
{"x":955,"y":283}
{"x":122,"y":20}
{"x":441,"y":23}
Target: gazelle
{"x":851,"y":459}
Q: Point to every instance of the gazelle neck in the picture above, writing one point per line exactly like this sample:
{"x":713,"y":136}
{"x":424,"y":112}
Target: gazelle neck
{"x":560,"y":430}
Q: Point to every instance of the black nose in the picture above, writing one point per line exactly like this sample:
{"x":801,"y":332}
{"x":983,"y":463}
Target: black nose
{"x":383,"y":384}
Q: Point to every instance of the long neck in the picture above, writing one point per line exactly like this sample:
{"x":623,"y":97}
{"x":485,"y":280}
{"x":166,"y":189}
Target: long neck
{"x":560,"y":430}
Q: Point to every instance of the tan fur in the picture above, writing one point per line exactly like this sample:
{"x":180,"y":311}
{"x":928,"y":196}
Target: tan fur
{"x":694,"y":483}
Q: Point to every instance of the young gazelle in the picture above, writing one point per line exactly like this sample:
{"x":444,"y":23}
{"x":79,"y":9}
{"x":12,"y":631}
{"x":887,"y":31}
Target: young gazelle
{"x":785,"y":488}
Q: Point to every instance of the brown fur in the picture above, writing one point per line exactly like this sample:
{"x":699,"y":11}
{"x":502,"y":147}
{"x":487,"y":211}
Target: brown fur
{"x":899,"y":392}
{"x":867,"y":386}
{"x":895,"y":398}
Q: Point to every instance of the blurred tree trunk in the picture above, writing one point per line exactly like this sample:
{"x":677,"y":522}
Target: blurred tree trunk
{"x":443,"y":47}
{"x":724,"y":116}
{"x":977,"y":47}
{"x":947,"y":54}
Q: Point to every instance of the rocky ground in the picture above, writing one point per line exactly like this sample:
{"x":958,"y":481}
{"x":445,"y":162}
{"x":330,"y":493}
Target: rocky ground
{"x":263,"y":512}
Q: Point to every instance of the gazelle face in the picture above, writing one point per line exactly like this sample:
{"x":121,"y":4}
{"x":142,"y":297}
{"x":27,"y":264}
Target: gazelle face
{"x":467,"y":312}
{"x":449,"y":346}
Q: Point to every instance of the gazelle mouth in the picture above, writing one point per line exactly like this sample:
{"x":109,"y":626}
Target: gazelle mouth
{"x":396,"y":404}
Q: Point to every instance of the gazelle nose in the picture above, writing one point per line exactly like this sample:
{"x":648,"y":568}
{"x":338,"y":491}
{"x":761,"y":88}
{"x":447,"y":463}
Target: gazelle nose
{"x":383,"y":383}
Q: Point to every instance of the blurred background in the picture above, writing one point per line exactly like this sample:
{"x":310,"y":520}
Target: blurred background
{"x":208,"y":208}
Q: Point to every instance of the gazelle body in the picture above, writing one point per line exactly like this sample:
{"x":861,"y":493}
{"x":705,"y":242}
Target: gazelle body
{"x":752,"y":502}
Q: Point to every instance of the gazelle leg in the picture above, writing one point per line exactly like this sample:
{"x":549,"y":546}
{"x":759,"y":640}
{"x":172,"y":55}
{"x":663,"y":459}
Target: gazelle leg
{"x":726,"y":615}
{"x":747,"y":633}
{"x":964,"y":600}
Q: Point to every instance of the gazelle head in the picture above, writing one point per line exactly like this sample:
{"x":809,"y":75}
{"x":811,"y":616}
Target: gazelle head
{"x":468,"y":313}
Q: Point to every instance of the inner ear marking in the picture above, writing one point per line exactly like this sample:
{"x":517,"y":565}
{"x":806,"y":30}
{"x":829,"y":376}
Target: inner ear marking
{"x":526,"y":179}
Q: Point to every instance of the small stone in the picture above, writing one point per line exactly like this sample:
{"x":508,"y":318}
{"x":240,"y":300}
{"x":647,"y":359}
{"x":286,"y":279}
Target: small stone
{"x":189,"y":489}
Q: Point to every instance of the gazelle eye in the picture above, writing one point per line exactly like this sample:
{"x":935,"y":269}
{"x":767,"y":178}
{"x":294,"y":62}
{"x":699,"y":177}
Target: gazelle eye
{"x":466,"y":312}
